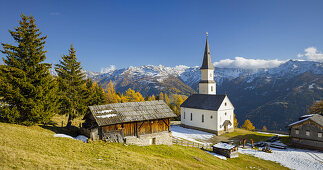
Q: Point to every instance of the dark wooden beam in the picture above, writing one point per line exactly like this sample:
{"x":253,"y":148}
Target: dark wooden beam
{"x":166,"y":124}
{"x":138,"y":129}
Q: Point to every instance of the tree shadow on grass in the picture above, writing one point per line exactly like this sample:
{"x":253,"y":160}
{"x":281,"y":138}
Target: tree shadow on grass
{"x":52,"y":126}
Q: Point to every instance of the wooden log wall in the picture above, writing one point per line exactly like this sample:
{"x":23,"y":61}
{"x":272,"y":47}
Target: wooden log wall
{"x":140,"y":128}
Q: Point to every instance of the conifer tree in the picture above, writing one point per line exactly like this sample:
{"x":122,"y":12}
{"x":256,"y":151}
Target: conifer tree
{"x":248,"y":125}
{"x":99,"y":95}
{"x":71,"y":81}
{"x":26,"y":85}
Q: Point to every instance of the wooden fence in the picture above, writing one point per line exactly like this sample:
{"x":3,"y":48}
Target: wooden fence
{"x":182,"y":142}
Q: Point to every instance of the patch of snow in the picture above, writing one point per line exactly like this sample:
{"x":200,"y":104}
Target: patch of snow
{"x":106,"y":116}
{"x":223,"y":145}
{"x":63,"y":136}
{"x":79,"y":137}
{"x":190,"y":134}
{"x":291,"y":158}
{"x":298,"y":121}
{"x":105,"y":111}
{"x":217,"y":155}
{"x":82,"y":138}
{"x":311,"y":86}
{"x":268,"y":133}
{"x":306,"y":116}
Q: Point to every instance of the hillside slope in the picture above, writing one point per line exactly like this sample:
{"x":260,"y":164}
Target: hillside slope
{"x":36,"y":148}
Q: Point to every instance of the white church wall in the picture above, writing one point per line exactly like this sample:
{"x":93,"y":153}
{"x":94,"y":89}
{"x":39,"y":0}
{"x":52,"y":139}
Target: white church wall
{"x":210,"y":118}
{"x":225,"y":113}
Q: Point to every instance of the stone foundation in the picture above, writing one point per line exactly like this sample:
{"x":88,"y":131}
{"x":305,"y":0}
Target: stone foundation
{"x":208,"y":130}
{"x":162,"y":138}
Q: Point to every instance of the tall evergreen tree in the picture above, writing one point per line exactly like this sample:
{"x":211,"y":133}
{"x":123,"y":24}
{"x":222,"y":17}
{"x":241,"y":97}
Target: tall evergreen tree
{"x":26,"y":85}
{"x":71,"y":82}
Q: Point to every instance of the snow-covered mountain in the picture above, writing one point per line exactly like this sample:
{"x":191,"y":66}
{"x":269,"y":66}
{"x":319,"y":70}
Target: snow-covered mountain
{"x":278,"y":95}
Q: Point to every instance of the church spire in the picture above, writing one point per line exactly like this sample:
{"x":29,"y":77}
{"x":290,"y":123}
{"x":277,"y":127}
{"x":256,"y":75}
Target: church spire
{"x":207,"y":63}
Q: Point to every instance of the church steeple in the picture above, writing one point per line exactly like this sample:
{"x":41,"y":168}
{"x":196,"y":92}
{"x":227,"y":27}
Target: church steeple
{"x":207,"y":84}
{"x":207,"y":63}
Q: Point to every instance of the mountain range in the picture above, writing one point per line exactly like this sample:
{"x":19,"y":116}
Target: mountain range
{"x":272,"y":97}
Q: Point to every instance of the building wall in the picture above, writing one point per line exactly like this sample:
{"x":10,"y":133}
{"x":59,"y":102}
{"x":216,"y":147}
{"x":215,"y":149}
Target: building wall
{"x":225,"y":112}
{"x":207,"y":88}
{"x":210,"y":118}
{"x":161,"y":138}
{"x":312,"y":139}
{"x":213,"y":120}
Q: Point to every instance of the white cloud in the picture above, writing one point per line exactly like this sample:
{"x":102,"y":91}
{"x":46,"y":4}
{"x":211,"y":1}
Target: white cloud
{"x":240,"y":62}
{"x":312,"y":54}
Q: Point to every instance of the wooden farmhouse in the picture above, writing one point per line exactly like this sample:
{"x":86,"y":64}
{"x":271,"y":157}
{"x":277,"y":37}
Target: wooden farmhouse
{"x":207,"y":110}
{"x":139,"y":123}
{"x":307,"y":132}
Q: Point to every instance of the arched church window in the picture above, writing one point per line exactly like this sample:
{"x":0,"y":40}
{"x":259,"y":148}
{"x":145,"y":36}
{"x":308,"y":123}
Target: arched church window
{"x":225,"y":113}
{"x":202,"y":118}
{"x":210,"y":75}
{"x":225,"y":104}
{"x":191,"y":116}
{"x":211,"y":88}
{"x":184,"y":115}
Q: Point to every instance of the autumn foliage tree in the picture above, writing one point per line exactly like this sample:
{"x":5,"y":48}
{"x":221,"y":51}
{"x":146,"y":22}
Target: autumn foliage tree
{"x":248,"y":125}
{"x":317,"y":108}
{"x":264,"y":128}
{"x":235,"y":121}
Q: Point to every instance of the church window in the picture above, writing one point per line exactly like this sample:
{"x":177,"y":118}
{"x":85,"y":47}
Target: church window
{"x":184,"y":115}
{"x":211,"y":88}
{"x":225,"y":113}
{"x":211,"y":117}
{"x":202,"y":118}
{"x":191,"y":116}
{"x":210,"y":75}
{"x":225,"y":104}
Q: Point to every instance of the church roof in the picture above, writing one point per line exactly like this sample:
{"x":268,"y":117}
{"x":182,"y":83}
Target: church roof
{"x":204,"y":101}
{"x":207,"y":63}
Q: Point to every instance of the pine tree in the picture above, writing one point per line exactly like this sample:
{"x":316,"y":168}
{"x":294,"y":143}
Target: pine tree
{"x":71,"y":81}
{"x":26,"y":86}
{"x":99,"y":95}
{"x":248,"y":125}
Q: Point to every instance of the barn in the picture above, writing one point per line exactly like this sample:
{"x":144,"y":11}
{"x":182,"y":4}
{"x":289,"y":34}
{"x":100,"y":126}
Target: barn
{"x":307,"y":132}
{"x":138,"y":123}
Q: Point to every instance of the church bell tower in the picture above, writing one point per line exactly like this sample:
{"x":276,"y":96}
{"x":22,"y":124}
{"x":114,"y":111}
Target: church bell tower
{"x":207,"y":84}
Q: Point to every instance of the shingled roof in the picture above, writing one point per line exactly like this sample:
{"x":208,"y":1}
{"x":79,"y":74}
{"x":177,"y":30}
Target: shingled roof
{"x":130,"y":112}
{"x":204,"y":101}
{"x":315,"y":118}
{"x":207,"y":63}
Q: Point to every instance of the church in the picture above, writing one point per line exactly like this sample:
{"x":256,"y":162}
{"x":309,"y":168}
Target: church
{"x":208,"y":111}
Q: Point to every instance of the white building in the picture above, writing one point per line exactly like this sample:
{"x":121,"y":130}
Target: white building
{"x":207,"y":110}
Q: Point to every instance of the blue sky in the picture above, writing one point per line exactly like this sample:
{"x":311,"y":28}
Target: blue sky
{"x":134,"y":33}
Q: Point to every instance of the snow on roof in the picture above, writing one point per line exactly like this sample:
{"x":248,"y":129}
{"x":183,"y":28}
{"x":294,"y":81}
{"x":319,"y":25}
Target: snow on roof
{"x":106,"y":116}
{"x":305,"y":116}
{"x":224,"y":145}
{"x":105,"y":111}
{"x":303,"y":120}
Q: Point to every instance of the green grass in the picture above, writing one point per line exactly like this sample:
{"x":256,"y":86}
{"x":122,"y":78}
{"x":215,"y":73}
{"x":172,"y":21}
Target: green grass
{"x":239,"y":134}
{"x":35,"y":148}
